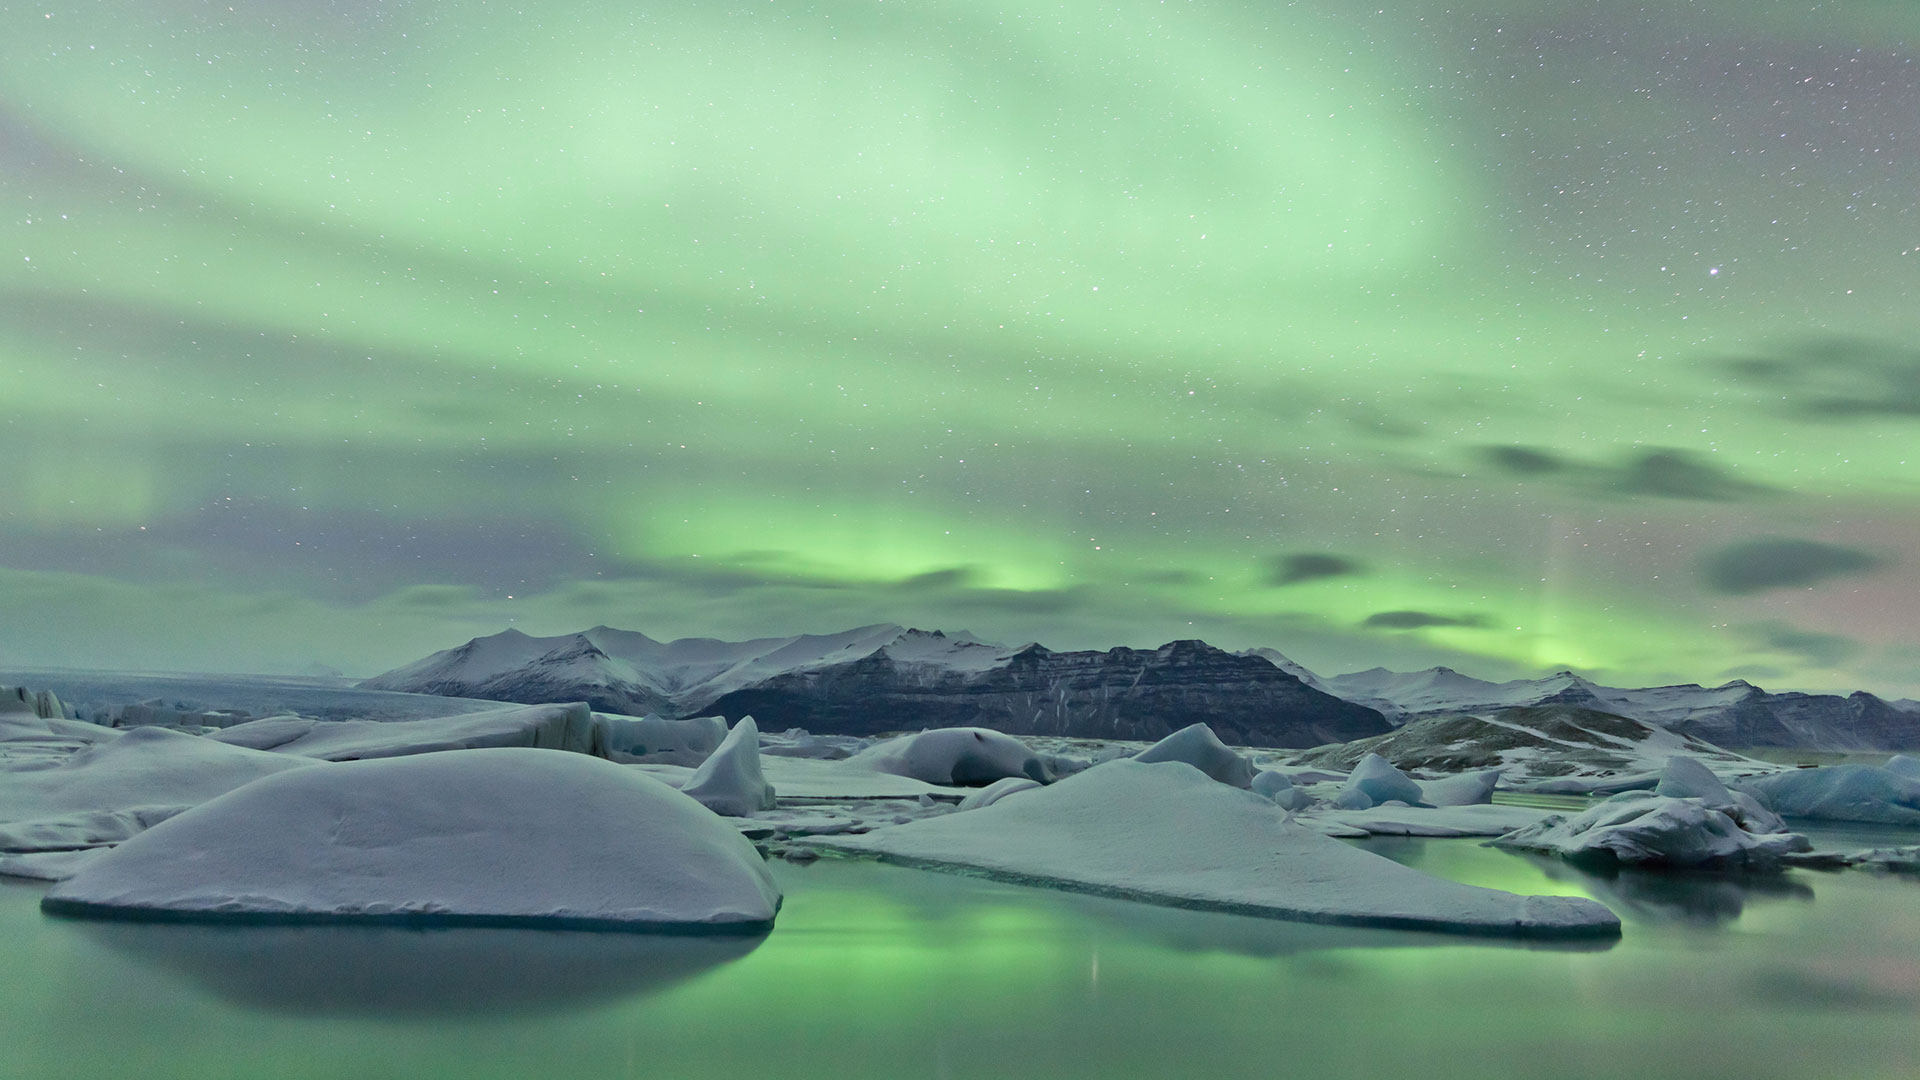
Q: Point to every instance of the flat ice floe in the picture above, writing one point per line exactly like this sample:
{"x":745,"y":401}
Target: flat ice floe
{"x":504,"y":837}
{"x":552,"y":727}
{"x":1167,"y":834}
{"x":1475,"y":820}
{"x":814,"y":779}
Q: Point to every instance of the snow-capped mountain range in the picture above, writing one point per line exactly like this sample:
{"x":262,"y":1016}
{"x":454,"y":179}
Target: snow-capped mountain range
{"x":886,"y":677}
{"x":1737,"y":713}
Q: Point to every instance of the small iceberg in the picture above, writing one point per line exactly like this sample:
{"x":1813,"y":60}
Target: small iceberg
{"x":1198,"y":746}
{"x":1375,"y":781}
{"x":729,"y":782}
{"x":954,"y":756}
{"x":1465,"y":789}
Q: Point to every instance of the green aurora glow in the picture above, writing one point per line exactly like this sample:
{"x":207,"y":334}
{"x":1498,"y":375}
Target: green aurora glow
{"x":1506,"y":335}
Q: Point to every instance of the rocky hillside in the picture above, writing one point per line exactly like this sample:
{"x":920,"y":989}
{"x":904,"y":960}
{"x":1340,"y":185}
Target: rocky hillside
{"x":1117,"y":694}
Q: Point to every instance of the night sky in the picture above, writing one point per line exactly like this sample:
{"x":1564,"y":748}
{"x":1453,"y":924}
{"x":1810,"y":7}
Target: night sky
{"x":1507,"y":335}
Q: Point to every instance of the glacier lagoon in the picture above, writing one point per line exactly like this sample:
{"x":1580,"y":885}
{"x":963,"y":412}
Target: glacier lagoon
{"x":880,"y":971}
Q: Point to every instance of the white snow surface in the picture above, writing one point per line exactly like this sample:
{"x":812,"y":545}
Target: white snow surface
{"x":730,"y":782}
{"x":1867,"y":793}
{"x":949,"y":756}
{"x":1640,"y":828}
{"x":508,"y":836}
{"x":1198,"y":746}
{"x":556,"y":727}
{"x":1166,"y":833}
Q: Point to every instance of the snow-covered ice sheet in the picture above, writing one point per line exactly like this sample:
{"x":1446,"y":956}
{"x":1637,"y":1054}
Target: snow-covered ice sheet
{"x":142,"y":767}
{"x":1167,"y":834}
{"x":551,"y":727}
{"x":479,"y":837}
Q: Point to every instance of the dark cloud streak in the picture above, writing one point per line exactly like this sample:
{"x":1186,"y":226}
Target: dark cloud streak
{"x":1753,"y":566}
{"x":1417,"y":620}
{"x":1310,"y":566}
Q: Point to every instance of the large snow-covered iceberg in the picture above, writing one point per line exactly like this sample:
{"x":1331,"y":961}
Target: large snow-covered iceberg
{"x":1198,"y":746}
{"x":481,"y":837}
{"x":1167,"y":834}
{"x":730,"y":781}
{"x":1841,"y":793}
{"x":964,"y":755}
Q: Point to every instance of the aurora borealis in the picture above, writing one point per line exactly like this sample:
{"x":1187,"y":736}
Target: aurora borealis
{"x":1507,"y":335}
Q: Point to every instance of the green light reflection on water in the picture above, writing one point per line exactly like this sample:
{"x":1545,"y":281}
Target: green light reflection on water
{"x":876,"y":971}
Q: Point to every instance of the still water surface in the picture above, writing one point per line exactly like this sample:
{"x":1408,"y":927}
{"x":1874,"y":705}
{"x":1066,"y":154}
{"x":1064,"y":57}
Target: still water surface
{"x":883,"y":972}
